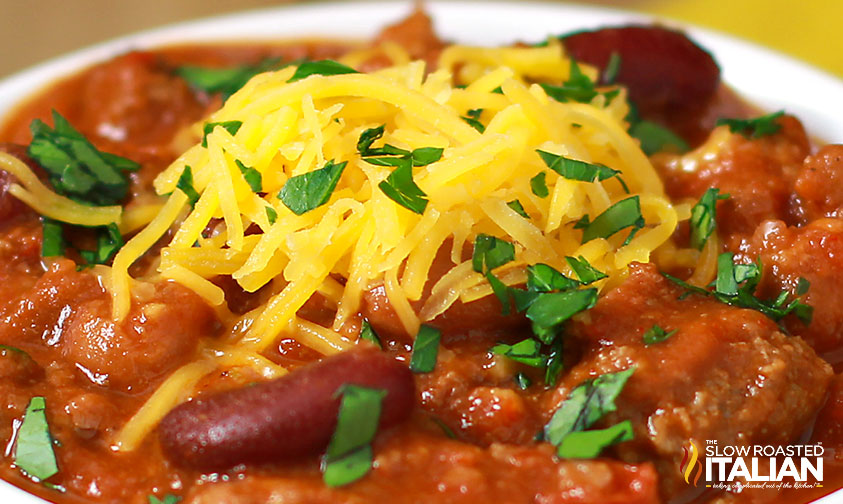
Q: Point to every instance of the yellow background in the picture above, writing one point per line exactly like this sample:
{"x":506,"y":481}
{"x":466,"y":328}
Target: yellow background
{"x":34,"y":30}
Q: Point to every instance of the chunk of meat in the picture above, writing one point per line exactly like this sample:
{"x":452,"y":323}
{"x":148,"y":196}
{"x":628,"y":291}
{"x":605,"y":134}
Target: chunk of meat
{"x":813,"y":252}
{"x":758,"y":175}
{"x":414,"y":466}
{"x":156,"y":337}
{"x":819,"y":184}
{"x":727,"y":374}
{"x":414,"y":33}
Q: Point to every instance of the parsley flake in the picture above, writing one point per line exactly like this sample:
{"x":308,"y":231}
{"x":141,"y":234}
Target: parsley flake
{"x":589,"y":444}
{"x":225,"y":81}
{"x":518,"y":208}
{"x":52,"y":244}
{"x":656,"y":138}
{"x":491,"y":252}
{"x":367,"y":333}
{"x":307,"y":191}
{"x":472,"y":117}
{"x":550,"y":310}
{"x":322,"y":67}
{"x":185,"y":185}
{"x":587,"y":273}
{"x":522,"y":381}
{"x":574,"y":169}
{"x":584,"y":406}
{"x":400,"y":187}
{"x":656,"y":334}
{"x":34,"y":453}
{"x":527,"y":352}
{"x":613,"y":66}
{"x":349,"y":454}
{"x":544,"y":278}
{"x":167,"y":499}
{"x":538,"y":185}
{"x":754,"y":128}
{"x":621,"y":215}
{"x":251,"y":176}
{"x":704,"y":217}
{"x":231,"y":126}
{"x":425,"y":349}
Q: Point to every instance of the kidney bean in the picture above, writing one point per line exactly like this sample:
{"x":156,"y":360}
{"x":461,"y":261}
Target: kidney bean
{"x":662,"y":68}
{"x":293,"y":416}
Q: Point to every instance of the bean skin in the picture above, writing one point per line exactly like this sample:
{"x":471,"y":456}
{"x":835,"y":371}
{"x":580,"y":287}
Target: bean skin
{"x":663,"y":69}
{"x":290,"y":417}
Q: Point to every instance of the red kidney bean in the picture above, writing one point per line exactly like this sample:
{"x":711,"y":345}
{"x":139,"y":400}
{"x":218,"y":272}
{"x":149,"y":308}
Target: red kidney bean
{"x":292,"y":416}
{"x":662,"y":68}
{"x":10,"y":206}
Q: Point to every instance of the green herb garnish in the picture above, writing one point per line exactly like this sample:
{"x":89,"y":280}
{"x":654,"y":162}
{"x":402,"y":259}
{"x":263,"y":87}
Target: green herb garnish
{"x":349,"y":454}
{"x":736,"y":284}
{"x":538,"y":185}
{"x":425,"y":349}
{"x":271,"y":215}
{"x":613,"y":66}
{"x":367,"y":333}
{"x":185,"y":185}
{"x":231,"y":126}
{"x":589,"y":444}
{"x":587,"y":273}
{"x":34,"y":453}
{"x":584,"y":406}
{"x":545,"y":278}
{"x":225,"y":81}
{"x":656,"y":138}
{"x":704,"y":217}
{"x":753,"y":128}
{"x":550,"y":310}
{"x":76,"y":168}
{"x":109,"y":241}
{"x":167,"y":499}
{"x":322,"y":67}
{"x":491,"y":252}
{"x":251,"y":176}
{"x":554,"y":363}
{"x":307,"y":191}
{"x":656,"y":334}
{"x":527,"y":352}
{"x":52,"y":244}
{"x":574,"y":169}
{"x":522,"y":381}
{"x":472,"y":117}
{"x":400,"y":187}
{"x":519,"y":208}
{"x":621,"y":215}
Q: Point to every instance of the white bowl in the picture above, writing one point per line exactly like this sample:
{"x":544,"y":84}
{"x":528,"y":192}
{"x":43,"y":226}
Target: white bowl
{"x":768,"y":79}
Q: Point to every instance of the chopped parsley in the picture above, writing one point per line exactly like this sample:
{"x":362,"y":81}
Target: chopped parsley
{"x":584,"y":406}
{"x":349,"y":454}
{"x":621,"y":215}
{"x":704,"y":217}
{"x":613,"y":66}
{"x":656,"y":334}
{"x":554,"y":363}
{"x":271,"y":215}
{"x":167,"y":499}
{"x":527,"y":352}
{"x":538,"y":185}
{"x":736,"y":284}
{"x":589,"y":444}
{"x":578,"y":88}
{"x":251,"y":176}
{"x":34,"y":453}
{"x":225,"y":81}
{"x":322,"y":67}
{"x":231,"y":126}
{"x":425,"y":349}
{"x":109,"y":241}
{"x":753,"y":128}
{"x":52,"y":244}
{"x":307,"y":191}
{"x":574,"y":169}
{"x":656,"y":138}
{"x":522,"y":381}
{"x":491,"y":252}
{"x":518,"y":208}
{"x":185,"y":185}
{"x":550,"y":310}
{"x":544,"y":278}
{"x":75,"y":167}
{"x":367,"y":333}
{"x":587,"y":273}
{"x":472,"y":117}
{"x":399,"y":186}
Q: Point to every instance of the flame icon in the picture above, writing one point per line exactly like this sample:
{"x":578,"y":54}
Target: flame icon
{"x":690,"y":462}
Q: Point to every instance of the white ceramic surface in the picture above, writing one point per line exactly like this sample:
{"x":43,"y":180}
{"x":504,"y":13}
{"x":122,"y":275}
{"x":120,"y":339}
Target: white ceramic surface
{"x":768,"y":79}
